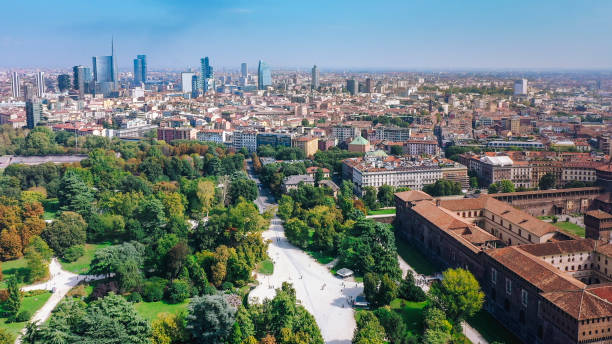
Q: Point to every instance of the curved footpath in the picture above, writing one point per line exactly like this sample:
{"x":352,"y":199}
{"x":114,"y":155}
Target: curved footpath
{"x":59,"y":284}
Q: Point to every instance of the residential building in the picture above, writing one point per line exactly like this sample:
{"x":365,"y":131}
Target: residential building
{"x":292,"y":182}
{"x":245,"y":139}
{"x":309,"y":145}
{"x":394,"y":134}
{"x":344,"y":132}
{"x":212,"y":135}
{"x":187,"y":82}
{"x":169,"y":134}
{"x":274,"y":139}
{"x":520,"y":87}
{"x":421,"y":147}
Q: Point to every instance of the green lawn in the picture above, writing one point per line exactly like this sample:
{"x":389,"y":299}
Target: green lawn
{"x":320,"y":257}
{"x":266,"y":267}
{"x":491,"y":329}
{"x":12,"y":267}
{"x":29,"y":303}
{"x":150,"y":310}
{"x":382,"y":212}
{"x":81,"y":265}
{"x":570,"y":227}
{"x":412,"y":313}
{"x":415,"y":258}
{"x":51,"y":206}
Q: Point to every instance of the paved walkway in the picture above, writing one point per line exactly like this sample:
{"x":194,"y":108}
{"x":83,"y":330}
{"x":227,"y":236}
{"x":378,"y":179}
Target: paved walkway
{"x":324,"y":295}
{"x":59,"y":284}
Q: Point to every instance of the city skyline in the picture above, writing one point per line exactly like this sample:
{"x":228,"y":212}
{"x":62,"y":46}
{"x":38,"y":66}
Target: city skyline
{"x":391,"y":36}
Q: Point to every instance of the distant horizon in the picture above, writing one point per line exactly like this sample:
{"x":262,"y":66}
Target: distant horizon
{"x":342,"y":34}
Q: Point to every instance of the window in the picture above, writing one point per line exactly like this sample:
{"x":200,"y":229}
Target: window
{"x":493,"y":275}
{"x":508,"y":286}
{"x":524,"y":297}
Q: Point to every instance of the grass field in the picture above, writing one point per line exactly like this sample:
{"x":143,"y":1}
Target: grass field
{"x":12,"y":267}
{"x":81,"y":265}
{"x":381,"y":212}
{"x":51,"y":206}
{"x":31,"y":304}
{"x":150,"y":310}
{"x":415,"y":258}
{"x":570,"y":227}
{"x":491,"y":329}
{"x":412,"y":313}
{"x":266,"y":267}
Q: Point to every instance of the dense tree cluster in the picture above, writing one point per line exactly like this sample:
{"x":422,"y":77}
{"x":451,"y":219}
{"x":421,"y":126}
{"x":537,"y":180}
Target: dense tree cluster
{"x":443,"y":187}
{"x":501,"y":186}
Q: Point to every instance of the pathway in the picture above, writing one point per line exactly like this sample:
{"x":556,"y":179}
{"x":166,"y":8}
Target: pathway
{"x":60,"y":283}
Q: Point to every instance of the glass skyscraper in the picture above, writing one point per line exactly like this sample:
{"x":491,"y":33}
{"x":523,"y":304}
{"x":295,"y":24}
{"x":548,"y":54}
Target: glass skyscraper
{"x":264,"y":78}
{"x":243,"y":70}
{"x":315,"y":77}
{"x":140,"y":69}
{"x":206,"y":74}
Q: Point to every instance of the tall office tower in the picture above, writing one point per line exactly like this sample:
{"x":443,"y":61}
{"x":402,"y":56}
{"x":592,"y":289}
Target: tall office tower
{"x":194,"y":86}
{"x":82,"y":80}
{"x":264,"y":78}
{"x":187,"y":82}
{"x":15,"y":85}
{"x":368,"y":85}
{"x":40,"y":84}
{"x":105,"y":72}
{"x":63,"y":82}
{"x":243,"y":70}
{"x":140,"y":69}
{"x":206,"y":75}
{"x":520,"y":87}
{"x":352,"y":86}
{"x":315,"y":78}
{"x":33,"y":112}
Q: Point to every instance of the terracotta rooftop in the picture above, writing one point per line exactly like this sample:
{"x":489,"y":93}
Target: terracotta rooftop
{"x":536,"y":271}
{"x":413,"y":196}
{"x":599,"y":214}
{"x":559,"y":247}
{"x":583,"y":304}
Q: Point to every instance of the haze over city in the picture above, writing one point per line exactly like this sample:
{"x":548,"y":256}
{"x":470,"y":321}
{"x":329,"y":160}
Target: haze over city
{"x":385,"y":35}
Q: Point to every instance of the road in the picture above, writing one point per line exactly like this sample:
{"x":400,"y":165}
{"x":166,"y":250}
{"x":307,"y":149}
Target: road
{"x":60,"y":284}
{"x":324,"y":295}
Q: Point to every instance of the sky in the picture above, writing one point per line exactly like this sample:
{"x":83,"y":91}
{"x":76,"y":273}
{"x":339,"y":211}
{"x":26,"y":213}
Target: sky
{"x":334,"y":34}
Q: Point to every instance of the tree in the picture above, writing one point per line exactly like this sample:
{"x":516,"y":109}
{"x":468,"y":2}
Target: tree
{"x":385,"y":195}
{"x":285,"y":207}
{"x":66,"y":231}
{"x":379,"y":291}
{"x":458,"y":294}
{"x":369,"y":197}
{"x":109,"y":320}
{"x":396,"y":150}
{"x":305,"y":122}
{"x":6,"y":337}
{"x":369,"y":330}
{"x":548,"y":181}
{"x":74,"y":194}
{"x":12,"y":304}
{"x":443,"y":187}
{"x":408,"y":289}
{"x":168,"y":329}
{"x":318,"y":177}
{"x":506,"y":186}
{"x":210,"y":319}
{"x":394,"y":325}
{"x":37,"y":255}
{"x":242,"y":187}
{"x":493,"y":188}
{"x":474,"y":182}
{"x":297,"y":232}
{"x":206,"y":195}
{"x":437,"y":327}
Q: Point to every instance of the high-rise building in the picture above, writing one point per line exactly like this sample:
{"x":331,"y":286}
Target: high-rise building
{"x":194,"y":86}
{"x":352,"y":86}
{"x":40,"y":84}
{"x":105,"y":72}
{"x":33,"y":112}
{"x":243,"y":70}
{"x":82,"y":80}
{"x":63,"y":82}
{"x":206,"y":75}
{"x":140,"y":69}
{"x":520,"y":87}
{"x":187,"y":82}
{"x":315,"y":78}
{"x":15,"y":85}
{"x":368,"y":85}
{"x":264,"y":78}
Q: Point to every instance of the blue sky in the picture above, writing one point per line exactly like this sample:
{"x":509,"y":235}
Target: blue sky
{"x":403,"y":34}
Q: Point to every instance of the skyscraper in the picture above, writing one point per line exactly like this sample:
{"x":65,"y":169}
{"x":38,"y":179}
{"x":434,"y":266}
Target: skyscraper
{"x":33,"y":112}
{"x":40,"y":84}
{"x":63,"y":82}
{"x":368,"y":86}
{"x":82,"y":80}
{"x":105,"y":72}
{"x":264,"y":78}
{"x":520,"y":87}
{"x":15,"y":85}
{"x":243,"y":70}
{"x":187,"y":82}
{"x":352,"y":86}
{"x":140,"y":69}
{"x":315,"y":78}
{"x":206,"y":75}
